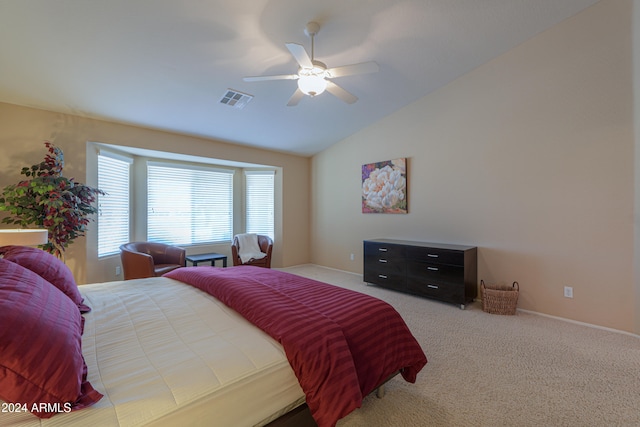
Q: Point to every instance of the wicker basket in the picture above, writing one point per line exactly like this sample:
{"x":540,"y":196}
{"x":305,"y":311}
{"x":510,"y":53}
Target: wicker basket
{"x":499,"y":299}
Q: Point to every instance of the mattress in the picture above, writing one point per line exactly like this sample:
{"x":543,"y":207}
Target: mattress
{"x":165,"y":353}
{"x":340,"y":343}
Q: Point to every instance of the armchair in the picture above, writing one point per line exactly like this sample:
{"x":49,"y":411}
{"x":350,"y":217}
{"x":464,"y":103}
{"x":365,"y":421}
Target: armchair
{"x":266,"y":246}
{"x":149,"y":259}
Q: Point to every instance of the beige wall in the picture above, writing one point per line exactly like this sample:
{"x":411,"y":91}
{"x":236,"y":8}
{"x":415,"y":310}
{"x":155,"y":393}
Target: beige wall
{"x":23,"y":130}
{"x":636,"y":121}
{"x":530,"y":157}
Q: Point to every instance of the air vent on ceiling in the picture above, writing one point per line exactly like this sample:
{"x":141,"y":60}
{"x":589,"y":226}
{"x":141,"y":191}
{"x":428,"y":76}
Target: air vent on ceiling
{"x":236,"y":99}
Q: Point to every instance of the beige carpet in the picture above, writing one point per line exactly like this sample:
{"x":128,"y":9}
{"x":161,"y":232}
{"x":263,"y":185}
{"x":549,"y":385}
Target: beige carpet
{"x":491,"y":370}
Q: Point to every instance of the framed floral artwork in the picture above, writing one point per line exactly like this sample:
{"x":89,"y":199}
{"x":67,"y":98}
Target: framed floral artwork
{"x":384,"y":187}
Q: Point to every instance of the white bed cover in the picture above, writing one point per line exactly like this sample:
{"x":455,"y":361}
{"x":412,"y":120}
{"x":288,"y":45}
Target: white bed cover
{"x":166,"y":354}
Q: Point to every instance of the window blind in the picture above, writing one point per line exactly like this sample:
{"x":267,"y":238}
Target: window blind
{"x":259,"y":202}
{"x":189,"y":205}
{"x":113,"y":207}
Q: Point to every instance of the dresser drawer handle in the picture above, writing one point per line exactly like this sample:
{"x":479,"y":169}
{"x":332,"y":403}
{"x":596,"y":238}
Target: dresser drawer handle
{"x":382,"y":249}
{"x":382,"y":260}
{"x":382,"y":276}
{"x":433,"y":286}
{"x":433,"y":268}
{"x":432,"y":255}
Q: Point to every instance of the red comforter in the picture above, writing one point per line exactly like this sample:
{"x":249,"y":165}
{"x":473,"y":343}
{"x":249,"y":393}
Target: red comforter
{"x":341,"y":344}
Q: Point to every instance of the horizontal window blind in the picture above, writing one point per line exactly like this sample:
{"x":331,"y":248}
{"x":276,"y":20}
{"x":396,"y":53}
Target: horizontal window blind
{"x":188,"y":204}
{"x":113,"y":207}
{"x":259,"y":203}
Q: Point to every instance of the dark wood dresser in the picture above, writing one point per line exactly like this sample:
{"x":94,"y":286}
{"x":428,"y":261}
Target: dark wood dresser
{"x":440,"y":271}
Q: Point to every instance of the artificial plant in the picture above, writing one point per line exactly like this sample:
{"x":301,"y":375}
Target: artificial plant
{"x":46,"y":199}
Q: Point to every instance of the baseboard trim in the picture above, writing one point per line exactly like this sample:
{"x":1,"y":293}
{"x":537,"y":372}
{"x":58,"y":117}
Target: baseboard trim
{"x":576,"y":322}
{"x":564,"y":319}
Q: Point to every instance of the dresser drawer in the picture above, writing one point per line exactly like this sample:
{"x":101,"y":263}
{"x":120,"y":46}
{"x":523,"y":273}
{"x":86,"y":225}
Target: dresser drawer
{"x":425,"y":272}
{"x":387,"y":251}
{"x":435,"y":289}
{"x":383,"y":263}
{"x":435,"y":255}
{"x":384,"y":278}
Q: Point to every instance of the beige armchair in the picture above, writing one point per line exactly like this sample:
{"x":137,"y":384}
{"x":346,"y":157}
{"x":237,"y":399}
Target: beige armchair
{"x":149,"y":259}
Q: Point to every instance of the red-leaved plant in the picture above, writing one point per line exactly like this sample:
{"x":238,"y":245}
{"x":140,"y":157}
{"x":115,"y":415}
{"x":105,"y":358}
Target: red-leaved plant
{"x":49,"y":200}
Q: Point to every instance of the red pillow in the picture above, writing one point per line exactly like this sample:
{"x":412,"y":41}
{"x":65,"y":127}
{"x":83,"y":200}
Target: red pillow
{"x":41,"y":359}
{"x":49,"y":268}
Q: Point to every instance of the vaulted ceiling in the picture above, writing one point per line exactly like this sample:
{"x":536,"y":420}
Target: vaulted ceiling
{"x":166,"y":64}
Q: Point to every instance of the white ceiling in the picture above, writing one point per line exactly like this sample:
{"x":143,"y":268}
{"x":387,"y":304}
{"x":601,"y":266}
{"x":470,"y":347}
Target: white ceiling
{"x":165,"y":64}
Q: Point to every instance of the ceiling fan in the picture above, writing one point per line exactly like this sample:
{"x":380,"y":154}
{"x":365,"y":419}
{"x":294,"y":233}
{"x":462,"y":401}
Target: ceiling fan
{"x":314,"y":76}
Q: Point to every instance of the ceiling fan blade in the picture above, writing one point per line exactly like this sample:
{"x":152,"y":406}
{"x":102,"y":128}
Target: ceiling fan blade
{"x":301,"y":56}
{"x":337,"y":91}
{"x":295,"y":98}
{"x":348,"y":70}
{"x":263,"y":78}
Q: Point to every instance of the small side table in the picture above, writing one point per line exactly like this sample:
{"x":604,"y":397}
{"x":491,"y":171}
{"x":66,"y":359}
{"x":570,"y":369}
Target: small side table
{"x":195,"y":259}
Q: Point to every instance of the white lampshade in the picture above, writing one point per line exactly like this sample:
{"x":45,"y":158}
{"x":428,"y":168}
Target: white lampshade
{"x":312,"y":84}
{"x":23,"y":237}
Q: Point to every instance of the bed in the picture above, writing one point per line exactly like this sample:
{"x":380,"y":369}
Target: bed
{"x":172,"y":351}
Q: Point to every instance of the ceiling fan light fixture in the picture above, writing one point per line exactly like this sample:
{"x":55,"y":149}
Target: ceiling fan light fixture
{"x":311,"y":82}
{"x":313,"y":76}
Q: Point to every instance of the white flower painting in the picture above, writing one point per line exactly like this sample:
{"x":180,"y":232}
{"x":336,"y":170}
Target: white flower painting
{"x":384,"y":187}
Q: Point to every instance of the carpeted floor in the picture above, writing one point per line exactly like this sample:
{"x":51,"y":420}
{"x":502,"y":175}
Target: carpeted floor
{"x":491,"y":370}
